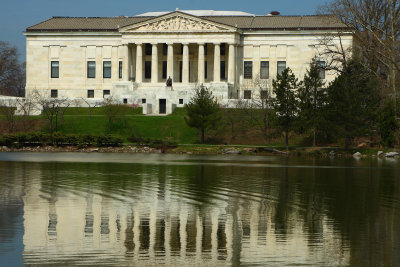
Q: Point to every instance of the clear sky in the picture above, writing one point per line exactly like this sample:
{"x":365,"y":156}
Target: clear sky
{"x":17,"y":15}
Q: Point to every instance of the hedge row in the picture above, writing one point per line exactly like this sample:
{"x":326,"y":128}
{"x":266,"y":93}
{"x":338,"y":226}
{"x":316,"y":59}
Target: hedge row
{"x":155,"y":143}
{"x":59,"y":139}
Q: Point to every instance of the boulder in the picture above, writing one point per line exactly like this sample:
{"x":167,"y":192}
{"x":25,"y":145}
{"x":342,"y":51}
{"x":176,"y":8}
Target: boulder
{"x":391,"y":154}
{"x":379,"y":153}
{"x":357,"y":155}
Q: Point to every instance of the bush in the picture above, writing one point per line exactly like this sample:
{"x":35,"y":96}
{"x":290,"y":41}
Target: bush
{"x":59,"y":139}
{"x":154,"y":143}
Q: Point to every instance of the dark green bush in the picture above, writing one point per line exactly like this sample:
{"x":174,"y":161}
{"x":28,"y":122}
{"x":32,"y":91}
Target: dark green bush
{"x":59,"y":139}
{"x":154,"y":143}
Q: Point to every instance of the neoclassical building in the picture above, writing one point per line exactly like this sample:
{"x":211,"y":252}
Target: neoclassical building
{"x":234,"y":54}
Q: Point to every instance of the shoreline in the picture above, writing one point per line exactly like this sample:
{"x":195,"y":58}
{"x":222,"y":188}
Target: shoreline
{"x":321,"y":152}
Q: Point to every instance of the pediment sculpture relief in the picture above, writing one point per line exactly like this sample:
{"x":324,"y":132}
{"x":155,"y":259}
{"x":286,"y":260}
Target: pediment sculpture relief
{"x":179,"y":24}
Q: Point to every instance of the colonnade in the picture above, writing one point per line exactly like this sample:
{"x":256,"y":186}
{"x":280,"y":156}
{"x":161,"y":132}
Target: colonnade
{"x":185,"y":62}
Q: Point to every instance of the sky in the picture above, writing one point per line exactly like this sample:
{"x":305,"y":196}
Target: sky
{"x":17,"y":15}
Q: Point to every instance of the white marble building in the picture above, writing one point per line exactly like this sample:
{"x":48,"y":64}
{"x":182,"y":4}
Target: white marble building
{"x":131,"y":58}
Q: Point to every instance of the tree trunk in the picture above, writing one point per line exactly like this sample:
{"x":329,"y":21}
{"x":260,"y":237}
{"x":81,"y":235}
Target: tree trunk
{"x":287,"y":139}
{"x":202,"y":135}
{"x":315,"y":138}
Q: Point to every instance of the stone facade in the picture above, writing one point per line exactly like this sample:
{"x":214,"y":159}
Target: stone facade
{"x":133,"y":62}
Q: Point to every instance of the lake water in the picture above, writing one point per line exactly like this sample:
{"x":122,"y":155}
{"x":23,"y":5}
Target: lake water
{"x":77,"y":209}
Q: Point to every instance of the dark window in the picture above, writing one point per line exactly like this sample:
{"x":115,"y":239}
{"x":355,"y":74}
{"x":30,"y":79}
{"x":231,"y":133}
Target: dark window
{"x":205,"y":69}
{"x":248,"y":69}
{"x":90,"y":93}
{"x":205,"y":49}
{"x":91,"y":69}
{"x":147,"y":69}
{"x":164,"y":69}
{"x":165,"y":49}
{"x":222,"y":73}
{"x":106,"y":93}
{"x":181,"y":50}
{"x":180,"y":101}
{"x":264,"y":70}
{"x":120,"y":69}
{"x":148,"y":49}
{"x":55,"y":69}
{"x":143,"y":100}
{"x":125,"y":100}
{"x":54,"y":93}
{"x":107,"y":69}
{"x":247,"y":94}
{"x":281,"y":67}
{"x":223,"y":49}
{"x":264,"y":94}
{"x":321,"y":65}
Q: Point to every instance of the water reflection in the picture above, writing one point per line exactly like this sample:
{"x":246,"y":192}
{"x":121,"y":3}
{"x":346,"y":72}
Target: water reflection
{"x":267,"y":213}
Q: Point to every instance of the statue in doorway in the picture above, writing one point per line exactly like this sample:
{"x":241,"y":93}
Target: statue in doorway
{"x":169,"y":81}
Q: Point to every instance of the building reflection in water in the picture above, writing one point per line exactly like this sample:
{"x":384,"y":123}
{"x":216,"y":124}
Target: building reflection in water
{"x":159,"y":224}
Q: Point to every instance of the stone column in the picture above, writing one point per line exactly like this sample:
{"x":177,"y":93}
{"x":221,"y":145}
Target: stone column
{"x":125,"y":64}
{"x":154,"y":64}
{"x":200,"y":69}
{"x":231,"y":64}
{"x":139,"y":63}
{"x":170,"y":61}
{"x":217,"y":63}
{"x":185,"y":64}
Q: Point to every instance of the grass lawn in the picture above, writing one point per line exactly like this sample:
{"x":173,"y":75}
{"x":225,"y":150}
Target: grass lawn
{"x":171,"y":127}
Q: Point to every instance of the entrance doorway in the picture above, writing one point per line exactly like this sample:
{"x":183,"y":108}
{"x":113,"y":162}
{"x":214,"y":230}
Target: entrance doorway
{"x":162,"y":106}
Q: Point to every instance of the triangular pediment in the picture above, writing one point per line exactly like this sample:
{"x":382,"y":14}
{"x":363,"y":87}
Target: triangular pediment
{"x":177,"y":22}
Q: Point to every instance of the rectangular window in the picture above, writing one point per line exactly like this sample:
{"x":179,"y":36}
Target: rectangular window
{"x":55,"y":69}
{"x":180,"y":101}
{"x":264,"y":94}
{"x":223,"y":76}
{"x":264,"y":70}
{"x":248,"y":69}
{"x":54,"y":93}
{"x":321,"y":65}
{"x":90,"y":93}
{"x":281,"y":67}
{"x":106,"y":93}
{"x":223,"y":49}
{"x":120,"y":69}
{"x":143,"y":100}
{"x":91,"y":69}
{"x":205,"y":69}
{"x":125,"y":100}
{"x":247,"y":94}
{"x":165,"y":49}
{"x":107,"y":69}
{"x":164,"y":69}
{"x":147,"y":69}
{"x":148,"y":49}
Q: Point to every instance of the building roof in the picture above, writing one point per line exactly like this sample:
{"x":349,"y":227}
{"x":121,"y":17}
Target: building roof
{"x":199,"y":13}
{"x":248,"y":22}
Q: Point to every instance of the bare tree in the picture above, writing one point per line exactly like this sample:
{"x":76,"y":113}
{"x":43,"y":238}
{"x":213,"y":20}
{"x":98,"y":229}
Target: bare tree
{"x":51,"y":108}
{"x":7,"y":109}
{"x":258,"y":108}
{"x":377,"y":31}
{"x":12,"y":73}
{"x":26,"y":106}
{"x":91,"y":105}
